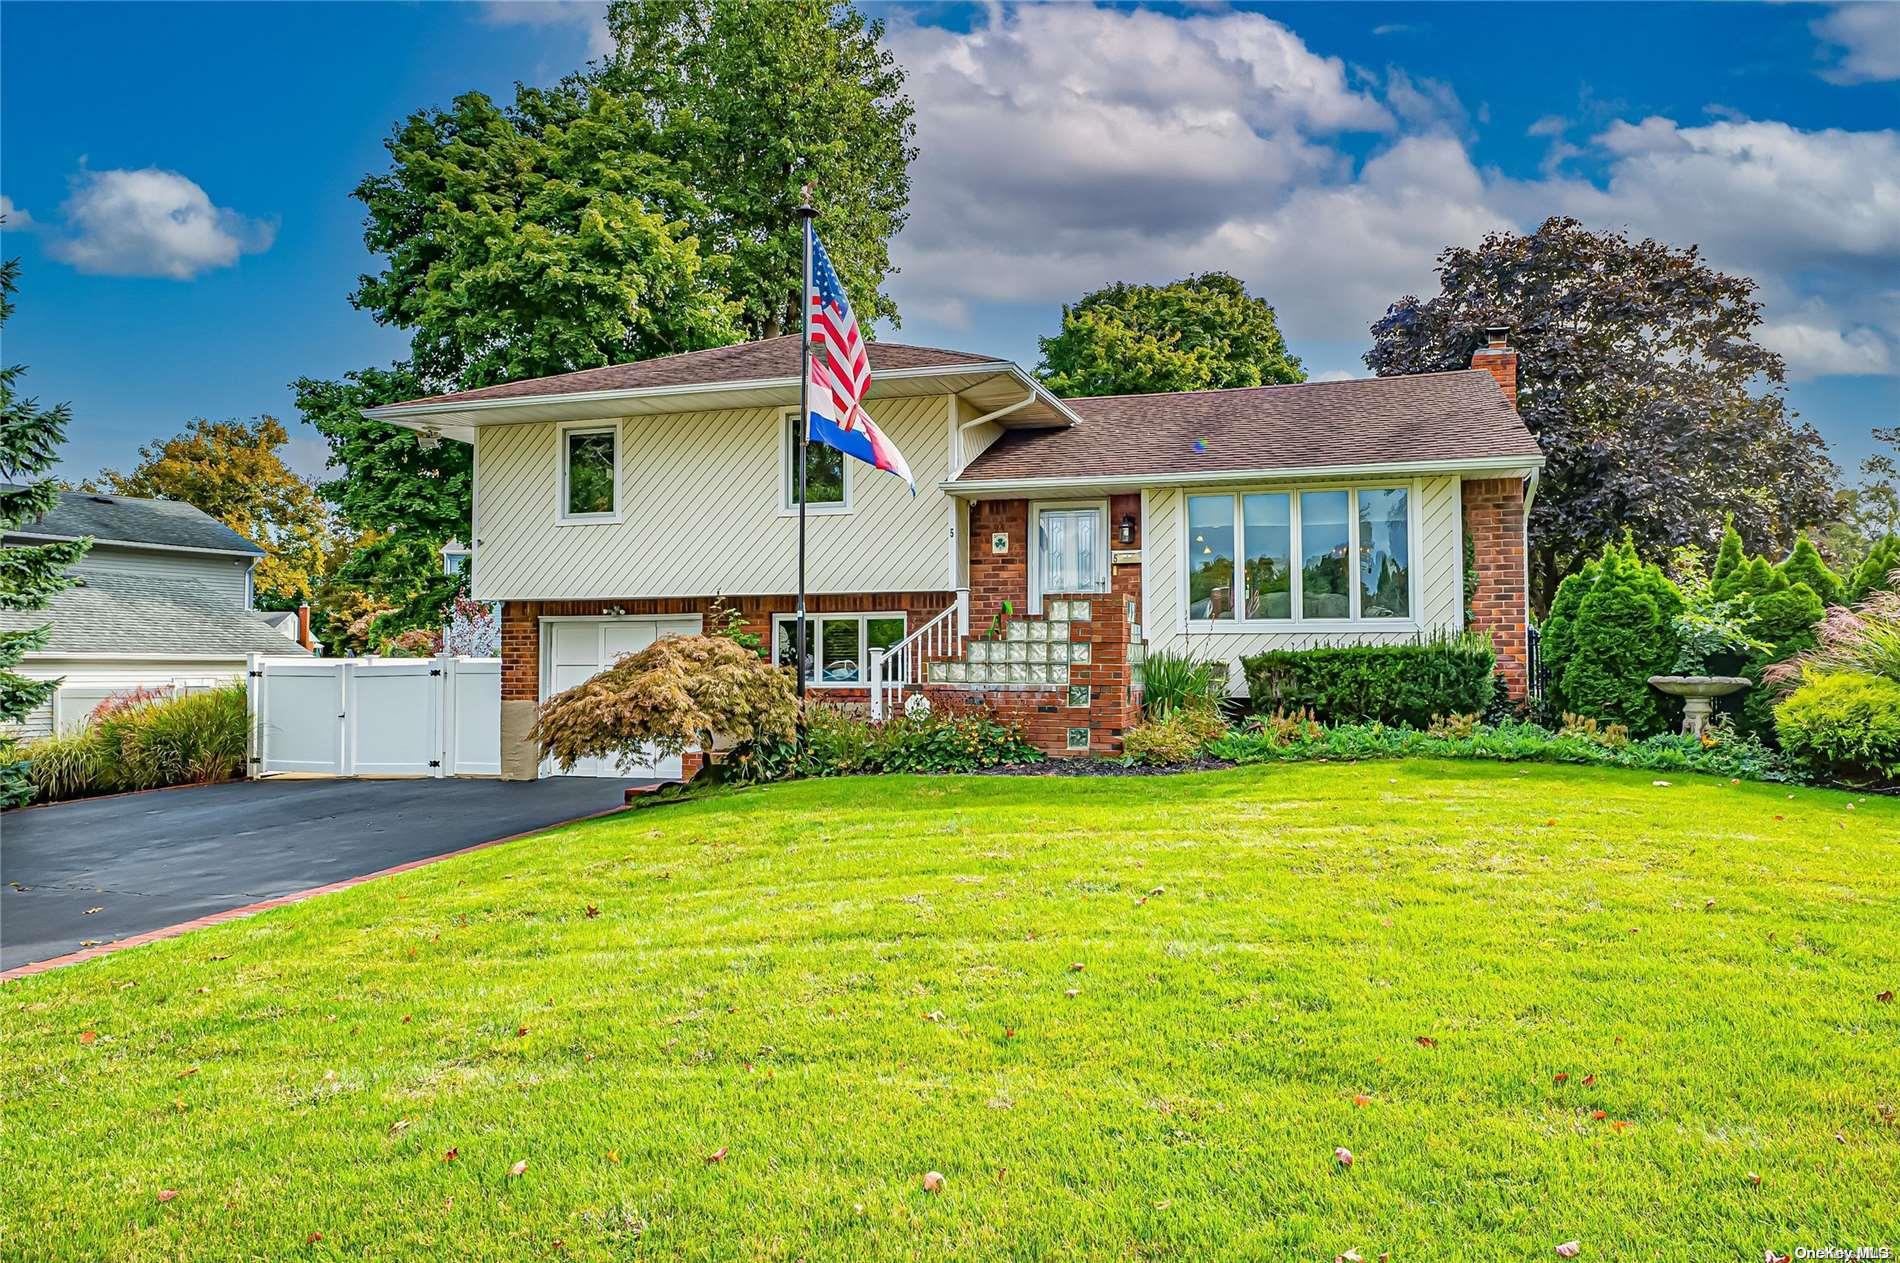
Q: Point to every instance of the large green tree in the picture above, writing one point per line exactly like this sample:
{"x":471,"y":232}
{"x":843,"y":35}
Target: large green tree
{"x":536,"y":239}
{"x":1199,"y":333}
{"x":754,"y":98}
{"x":405,"y":502}
{"x":235,"y":471}
{"x":1657,"y":410}
{"x":30,"y":575}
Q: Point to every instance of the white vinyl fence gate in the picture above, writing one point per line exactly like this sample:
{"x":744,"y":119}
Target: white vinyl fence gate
{"x":375,"y":716}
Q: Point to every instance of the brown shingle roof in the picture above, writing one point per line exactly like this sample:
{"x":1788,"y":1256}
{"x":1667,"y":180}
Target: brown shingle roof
{"x":1367,"y":421}
{"x":748,"y":361}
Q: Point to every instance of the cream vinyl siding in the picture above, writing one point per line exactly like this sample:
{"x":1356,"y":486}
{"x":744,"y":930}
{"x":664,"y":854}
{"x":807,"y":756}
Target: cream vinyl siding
{"x":700,"y":505}
{"x":209,"y":571}
{"x":1439,"y":561}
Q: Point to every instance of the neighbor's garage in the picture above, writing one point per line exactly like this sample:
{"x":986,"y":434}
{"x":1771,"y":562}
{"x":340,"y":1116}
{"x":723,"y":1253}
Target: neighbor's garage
{"x":573,"y":649}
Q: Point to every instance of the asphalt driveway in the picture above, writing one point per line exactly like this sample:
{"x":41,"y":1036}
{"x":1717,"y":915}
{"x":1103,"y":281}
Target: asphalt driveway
{"x":75,"y":874}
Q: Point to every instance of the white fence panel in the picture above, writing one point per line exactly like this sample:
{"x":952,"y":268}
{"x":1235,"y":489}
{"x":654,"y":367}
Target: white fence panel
{"x":299,"y":709}
{"x":375,"y":716}
{"x":471,"y":717}
{"x":393,"y":709}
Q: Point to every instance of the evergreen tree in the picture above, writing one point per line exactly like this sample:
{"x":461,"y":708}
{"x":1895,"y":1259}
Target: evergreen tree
{"x":30,"y":577}
{"x":1875,"y":571}
{"x":1731,"y":555}
{"x":1804,"y":565}
{"x":1612,"y":626}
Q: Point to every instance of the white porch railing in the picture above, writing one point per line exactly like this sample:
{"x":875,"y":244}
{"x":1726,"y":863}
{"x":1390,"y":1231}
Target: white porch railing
{"x":902,"y":665}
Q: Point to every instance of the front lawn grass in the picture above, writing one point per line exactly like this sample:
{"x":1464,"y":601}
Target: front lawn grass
{"x":1125,"y":1018}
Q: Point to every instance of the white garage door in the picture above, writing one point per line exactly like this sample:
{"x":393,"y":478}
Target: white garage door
{"x":576,"y":648}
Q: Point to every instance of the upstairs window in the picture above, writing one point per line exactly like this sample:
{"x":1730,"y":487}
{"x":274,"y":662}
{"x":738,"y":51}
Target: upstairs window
{"x":826,"y":483}
{"x":590,"y":473}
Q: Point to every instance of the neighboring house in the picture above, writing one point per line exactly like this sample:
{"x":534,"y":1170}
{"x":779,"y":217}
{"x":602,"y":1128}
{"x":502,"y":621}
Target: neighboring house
{"x":613,"y":505}
{"x":163,"y":602}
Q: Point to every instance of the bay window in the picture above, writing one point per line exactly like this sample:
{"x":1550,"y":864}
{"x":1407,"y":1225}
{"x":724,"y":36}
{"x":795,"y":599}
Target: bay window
{"x":1330,"y":555}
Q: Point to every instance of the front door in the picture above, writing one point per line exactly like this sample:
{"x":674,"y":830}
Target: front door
{"x":579,"y":649}
{"x":1071,"y":551}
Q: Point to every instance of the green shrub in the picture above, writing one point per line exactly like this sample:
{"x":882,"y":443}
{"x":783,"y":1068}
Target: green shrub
{"x":1843,"y":724}
{"x":949,"y":738}
{"x":1612,"y":626}
{"x":841,"y":740}
{"x":1176,"y":737}
{"x":1804,"y":565}
{"x":143,"y":742}
{"x":1394,"y":684}
{"x":1172,"y":680}
{"x":1875,"y":571}
{"x":1512,"y":742}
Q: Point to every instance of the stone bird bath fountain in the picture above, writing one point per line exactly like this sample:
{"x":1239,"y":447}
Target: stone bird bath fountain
{"x":1698,"y":694}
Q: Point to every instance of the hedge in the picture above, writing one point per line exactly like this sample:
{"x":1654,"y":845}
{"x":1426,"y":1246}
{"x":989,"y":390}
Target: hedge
{"x":1409,"y":684}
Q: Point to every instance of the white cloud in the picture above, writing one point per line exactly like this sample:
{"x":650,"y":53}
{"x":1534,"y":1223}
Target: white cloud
{"x":1063,"y":147}
{"x":587,"y":17}
{"x":152,"y":223}
{"x":1816,"y":341}
{"x":16,"y":216}
{"x":1868,"y":36}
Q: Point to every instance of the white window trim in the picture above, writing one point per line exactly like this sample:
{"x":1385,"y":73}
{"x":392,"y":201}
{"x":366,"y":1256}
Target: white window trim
{"x":1299,"y":623}
{"x":1034,"y":544}
{"x":782,"y":621}
{"x":788,"y":474}
{"x":561,"y":516}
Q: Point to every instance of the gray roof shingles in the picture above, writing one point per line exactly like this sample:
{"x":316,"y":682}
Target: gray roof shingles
{"x":1366,"y":421}
{"x":768,"y":360}
{"x":132,"y":616}
{"x":131,"y":520}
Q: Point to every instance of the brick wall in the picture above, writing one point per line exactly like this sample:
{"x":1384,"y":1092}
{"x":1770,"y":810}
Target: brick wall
{"x":998,"y":577}
{"x":1494,"y":523}
{"x":521,"y":624}
{"x":1043,"y":711}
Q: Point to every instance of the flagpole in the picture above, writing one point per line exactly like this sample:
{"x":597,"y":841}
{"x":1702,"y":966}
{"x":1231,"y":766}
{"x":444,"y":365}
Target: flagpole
{"x":805,"y":214}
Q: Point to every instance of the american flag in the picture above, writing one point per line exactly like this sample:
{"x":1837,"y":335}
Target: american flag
{"x":835,"y":327}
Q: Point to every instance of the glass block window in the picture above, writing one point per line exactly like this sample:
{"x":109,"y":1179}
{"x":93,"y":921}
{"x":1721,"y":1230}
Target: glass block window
{"x":1078,"y":695}
{"x":1078,"y":739}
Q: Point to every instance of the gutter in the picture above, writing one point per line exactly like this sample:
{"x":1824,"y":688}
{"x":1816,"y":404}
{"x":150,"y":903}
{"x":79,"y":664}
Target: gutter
{"x":401,"y":411}
{"x":253,"y":554}
{"x":1482,"y":464}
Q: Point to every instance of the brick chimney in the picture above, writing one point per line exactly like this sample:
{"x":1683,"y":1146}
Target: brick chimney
{"x":303,"y":626}
{"x":1497,"y":358}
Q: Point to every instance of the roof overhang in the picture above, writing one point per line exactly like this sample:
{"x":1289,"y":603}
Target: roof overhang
{"x":987,"y":387}
{"x":1486,"y":466}
{"x":252,"y":554}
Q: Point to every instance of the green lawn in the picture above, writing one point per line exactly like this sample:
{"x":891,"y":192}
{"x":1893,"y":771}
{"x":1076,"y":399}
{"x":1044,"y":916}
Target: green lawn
{"x":1125,"y":1018}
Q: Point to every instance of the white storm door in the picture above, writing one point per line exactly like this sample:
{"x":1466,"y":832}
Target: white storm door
{"x":1071,"y":556}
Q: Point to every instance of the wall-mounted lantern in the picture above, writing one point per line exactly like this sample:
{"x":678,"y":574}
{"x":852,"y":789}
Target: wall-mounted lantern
{"x":1125,"y":533}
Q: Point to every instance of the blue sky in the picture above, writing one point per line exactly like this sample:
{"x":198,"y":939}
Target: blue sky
{"x":189,"y":242}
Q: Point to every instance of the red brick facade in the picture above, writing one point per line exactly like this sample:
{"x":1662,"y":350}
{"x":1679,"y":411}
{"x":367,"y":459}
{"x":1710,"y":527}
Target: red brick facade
{"x":521,"y":624}
{"x":1043,"y":711}
{"x":998,"y":577}
{"x":1494,"y":523}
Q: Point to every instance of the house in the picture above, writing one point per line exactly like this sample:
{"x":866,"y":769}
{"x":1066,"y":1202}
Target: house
{"x":164,"y":601}
{"x":1052,"y":543}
